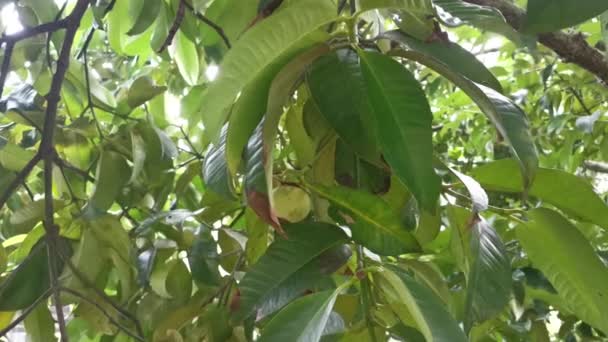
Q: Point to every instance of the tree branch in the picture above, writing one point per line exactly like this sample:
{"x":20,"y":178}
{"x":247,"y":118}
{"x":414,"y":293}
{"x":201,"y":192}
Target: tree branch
{"x":48,"y":154}
{"x":25,"y":313}
{"x":19,"y":179}
{"x":179,"y":17}
{"x":218,"y":29}
{"x":571,"y":47}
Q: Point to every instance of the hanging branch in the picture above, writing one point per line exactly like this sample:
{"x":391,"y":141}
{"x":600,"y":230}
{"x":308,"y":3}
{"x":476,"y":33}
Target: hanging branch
{"x":218,"y":29}
{"x":25,"y":313}
{"x":573,"y":48}
{"x":179,"y":17}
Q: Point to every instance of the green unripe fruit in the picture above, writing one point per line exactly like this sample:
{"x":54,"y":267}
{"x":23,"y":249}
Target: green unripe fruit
{"x":291,"y":203}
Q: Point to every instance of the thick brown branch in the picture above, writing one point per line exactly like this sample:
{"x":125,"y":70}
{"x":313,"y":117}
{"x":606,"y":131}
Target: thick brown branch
{"x":36,"y":30}
{"x":6,"y":63}
{"x":571,"y":47}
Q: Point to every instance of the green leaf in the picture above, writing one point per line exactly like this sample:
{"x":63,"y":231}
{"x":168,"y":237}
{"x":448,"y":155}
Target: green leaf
{"x":23,"y":105}
{"x":267,"y":94}
{"x":14,"y":157}
{"x":215,"y":169}
{"x":567,"y":192}
{"x":203,"y":259}
{"x":414,"y":6}
{"x":552,"y":15}
{"x":113,"y":173}
{"x":489,"y":277}
{"x":257,"y":237}
{"x":507,"y":117}
{"x":233,"y":16}
{"x":147,"y":15}
{"x":570,"y":263}
{"x":258,"y":49}
{"x":302,"y":320}
{"x":30,"y":280}
{"x":427,"y":310}
{"x":39,"y":324}
{"x":186,"y":57}
{"x":452,"y":55}
{"x":459,"y":12}
{"x":403,"y":123}
{"x":375,"y":224}
{"x":337,"y":87}
{"x":142,"y":90}
{"x":26,"y":217}
{"x":284,"y":258}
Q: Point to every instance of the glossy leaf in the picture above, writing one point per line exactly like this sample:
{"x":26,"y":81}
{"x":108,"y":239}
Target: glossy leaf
{"x":186,"y":58}
{"x":567,"y":192}
{"x":215,"y":169}
{"x":338,"y":89}
{"x":427,"y":311}
{"x":453,"y":55}
{"x":566,"y":258}
{"x":402,"y":120}
{"x":284,"y":258}
{"x":489,"y":277}
{"x":302,"y":320}
{"x":459,"y":12}
{"x":375,"y":225}
{"x":147,"y":16}
{"x":257,"y":49}
{"x":552,"y":15}
{"x":507,"y":117}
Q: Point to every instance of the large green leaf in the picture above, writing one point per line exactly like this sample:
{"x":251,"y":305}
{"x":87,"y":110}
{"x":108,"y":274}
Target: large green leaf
{"x":427,"y":310}
{"x":186,"y":57}
{"x":284,"y":258}
{"x":507,"y":117}
{"x":302,"y":320}
{"x":147,"y":15}
{"x":569,"y":193}
{"x":489,"y":278}
{"x":570,"y":263}
{"x":113,"y":173}
{"x":375,"y":224}
{"x":552,"y":15}
{"x":451,"y":54}
{"x":337,"y":87}
{"x":258,"y":49}
{"x":458,"y":12}
{"x":267,"y":95}
{"x":402,"y":122}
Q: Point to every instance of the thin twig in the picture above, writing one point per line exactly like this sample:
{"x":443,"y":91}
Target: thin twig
{"x":88,"y":88}
{"x":217,"y":28}
{"x":104,"y":312}
{"x":179,"y":17}
{"x":65,"y":164}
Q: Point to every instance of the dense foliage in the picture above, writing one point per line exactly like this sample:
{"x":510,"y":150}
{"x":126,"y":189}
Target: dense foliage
{"x":304,"y":170}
